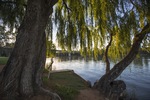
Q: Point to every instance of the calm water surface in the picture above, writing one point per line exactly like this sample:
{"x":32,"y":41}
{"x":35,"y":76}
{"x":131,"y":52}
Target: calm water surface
{"x":136,"y":75}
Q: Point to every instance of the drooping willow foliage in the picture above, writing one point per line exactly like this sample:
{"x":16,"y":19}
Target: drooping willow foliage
{"x":11,"y":15}
{"x":12,"y":12}
{"x":51,"y":48}
{"x":87,"y":24}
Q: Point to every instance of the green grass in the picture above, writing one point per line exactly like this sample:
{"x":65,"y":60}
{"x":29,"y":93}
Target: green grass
{"x":67,"y":84}
{"x":66,"y":93}
{"x":3,"y":60}
{"x":68,"y":78}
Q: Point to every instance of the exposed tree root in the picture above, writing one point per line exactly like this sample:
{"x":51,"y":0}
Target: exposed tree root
{"x":40,"y":94}
{"x":114,"y":90}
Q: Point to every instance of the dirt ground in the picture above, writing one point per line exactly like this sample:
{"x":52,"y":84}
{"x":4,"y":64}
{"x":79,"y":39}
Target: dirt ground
{"x":1,"y":67}
{"x":90,"y":94}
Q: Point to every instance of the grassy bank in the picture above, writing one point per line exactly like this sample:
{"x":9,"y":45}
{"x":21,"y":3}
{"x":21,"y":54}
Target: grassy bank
{"x":67,"y":84}
{"x":3,"y":60}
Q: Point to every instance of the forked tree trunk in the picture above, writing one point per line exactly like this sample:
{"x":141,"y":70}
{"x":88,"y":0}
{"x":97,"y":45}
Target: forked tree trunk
{"x":22,"y":73}
{"x":104,"y":82}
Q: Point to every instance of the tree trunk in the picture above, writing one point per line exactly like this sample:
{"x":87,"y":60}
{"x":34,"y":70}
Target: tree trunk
{"x":106,"y":54}
{"x":22,"y":73}
{"x":104,"y":82}
{"x":50,"y":67}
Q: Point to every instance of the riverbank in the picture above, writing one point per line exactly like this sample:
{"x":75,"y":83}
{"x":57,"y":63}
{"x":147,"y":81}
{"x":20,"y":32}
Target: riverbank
{"x":68,"y":85}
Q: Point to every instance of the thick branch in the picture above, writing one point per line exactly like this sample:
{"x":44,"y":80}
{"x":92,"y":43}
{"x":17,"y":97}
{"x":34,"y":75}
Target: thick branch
{"x":118,"y":68}
{"x":105,"y":80}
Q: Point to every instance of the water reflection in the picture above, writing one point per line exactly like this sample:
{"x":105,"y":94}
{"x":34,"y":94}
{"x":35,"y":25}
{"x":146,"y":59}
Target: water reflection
{"x":136,"y":75}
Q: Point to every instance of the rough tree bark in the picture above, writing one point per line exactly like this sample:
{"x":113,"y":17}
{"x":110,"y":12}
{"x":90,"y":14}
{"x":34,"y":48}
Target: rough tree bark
{"x":104,"y":82}
{"x":22,"y":74}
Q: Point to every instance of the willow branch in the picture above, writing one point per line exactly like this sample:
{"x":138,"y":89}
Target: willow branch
{"x":137,"y":6}
{"x":65,"y":4}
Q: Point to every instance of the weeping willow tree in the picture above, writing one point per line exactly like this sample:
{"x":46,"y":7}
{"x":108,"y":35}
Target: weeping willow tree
{"x":80,"y":23}
{"x":88,"y":23}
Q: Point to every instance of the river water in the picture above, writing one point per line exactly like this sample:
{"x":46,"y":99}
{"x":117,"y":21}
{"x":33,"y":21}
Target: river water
{"x":136,"y":75}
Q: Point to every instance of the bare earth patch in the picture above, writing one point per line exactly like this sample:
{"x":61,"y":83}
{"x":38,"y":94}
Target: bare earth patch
{"x":90,"y":94}
{"x":1,"y":67}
